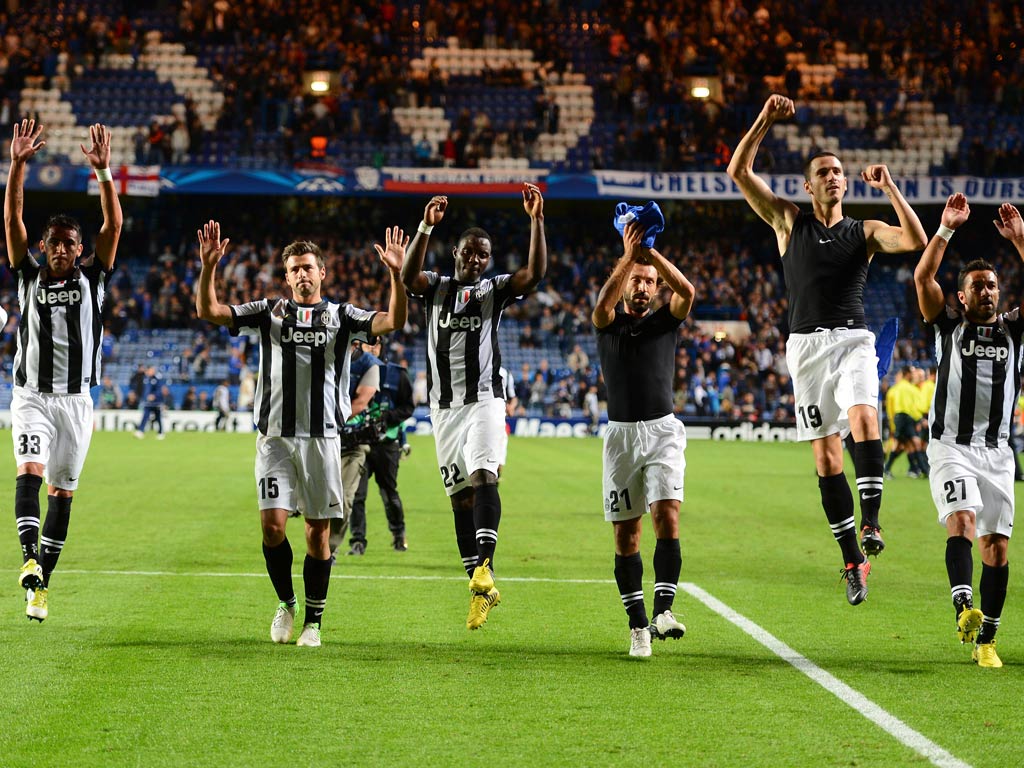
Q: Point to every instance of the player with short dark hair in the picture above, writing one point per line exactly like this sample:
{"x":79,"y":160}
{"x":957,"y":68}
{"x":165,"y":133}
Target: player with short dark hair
{"x":830,"y":351}
{"x":644,"y":446}
{"x":467,"y":406}
{"x":58,"y":355}
{"x":301,"y":402}
{"x":972,"y":466}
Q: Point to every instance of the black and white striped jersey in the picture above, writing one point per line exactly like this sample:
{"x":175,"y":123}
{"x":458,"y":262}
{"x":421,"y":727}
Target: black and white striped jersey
{"x":302,"y":387}
{"x":462,"y":338}
{"x":61,"y":328}
{"x":978,"y":379}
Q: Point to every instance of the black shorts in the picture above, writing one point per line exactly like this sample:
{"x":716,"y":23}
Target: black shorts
{"x":906,"y":427}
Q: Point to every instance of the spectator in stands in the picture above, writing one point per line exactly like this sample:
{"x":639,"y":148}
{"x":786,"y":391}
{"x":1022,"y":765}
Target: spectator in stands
{"x":189,"y":402}
{"x":110,"y":395}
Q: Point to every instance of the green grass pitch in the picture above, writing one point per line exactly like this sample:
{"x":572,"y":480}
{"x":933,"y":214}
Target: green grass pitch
{"x":157,"y":653}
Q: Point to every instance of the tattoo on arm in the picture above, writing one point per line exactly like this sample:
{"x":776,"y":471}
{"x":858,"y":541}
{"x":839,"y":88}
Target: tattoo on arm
{"x":889,"y":241}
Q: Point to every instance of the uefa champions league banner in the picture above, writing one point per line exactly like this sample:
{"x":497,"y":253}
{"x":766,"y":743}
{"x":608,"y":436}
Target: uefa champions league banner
{"x":325,"y":181}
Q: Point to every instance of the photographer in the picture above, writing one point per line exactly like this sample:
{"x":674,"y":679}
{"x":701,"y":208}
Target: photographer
{"x":390,"y":407}
{"x":364,"y":383}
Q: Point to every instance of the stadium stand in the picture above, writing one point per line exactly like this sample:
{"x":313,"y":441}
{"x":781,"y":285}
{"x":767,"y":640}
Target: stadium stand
{"x":570,"y":88}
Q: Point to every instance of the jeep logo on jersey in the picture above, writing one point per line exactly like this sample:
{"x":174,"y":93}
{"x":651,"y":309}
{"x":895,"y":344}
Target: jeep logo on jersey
{"x":58,"y":295}
{"x":299,"y":336}
{"x":457,"y":323}
{"x":985,"y":352}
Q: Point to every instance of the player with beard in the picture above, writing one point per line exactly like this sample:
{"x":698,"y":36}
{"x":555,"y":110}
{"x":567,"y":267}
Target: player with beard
{"x":644,"y":445}
{"x":972,"y":464}
{"x":830,"y":351}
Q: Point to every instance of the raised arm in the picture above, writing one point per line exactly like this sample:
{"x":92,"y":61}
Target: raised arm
{"x":24,"y":145}
{"x":909,"y":235}
{"x":99,"y":158}
{"x":682,"y":289}
{"x":1011,"y":226}
{"x":211,"y":251}
{"x":392,"y":255}
{"x":776,"y":211}
{"x":528,"y":277}
{"x":611,"y":291}
{"x":930,"y":297}
{"x":412,"y":268}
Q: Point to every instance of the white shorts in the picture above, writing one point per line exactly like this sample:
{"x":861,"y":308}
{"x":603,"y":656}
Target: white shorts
{"x":832,"y":371}
{"x":978,"y":480}
{"x":643,"y":462}
{"x":503,"y":451}
{"x":52,"y":430}
{"x":300,"y":474}
{"x":467,"y":438}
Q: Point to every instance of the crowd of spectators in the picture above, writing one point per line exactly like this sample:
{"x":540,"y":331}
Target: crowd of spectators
{"x":639,"y":57}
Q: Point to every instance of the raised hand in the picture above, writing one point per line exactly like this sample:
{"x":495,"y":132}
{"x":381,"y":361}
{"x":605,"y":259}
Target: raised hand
{"x":26,"y":141}
{"x":956,"y":211}
{"x":211,"y":247}
{"x":632,"y":237}
{"x":99,"y":152}
{"x":435,"y":209}
{"x":877,"y":176}
{"x":533,"y":202}
{"x":778,"y":108}
{"x":1010,"y":224}
{"x":392,"y":254}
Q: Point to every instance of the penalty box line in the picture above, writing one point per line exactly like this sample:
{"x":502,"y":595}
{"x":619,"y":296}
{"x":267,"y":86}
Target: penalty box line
{"x":889,"y":723}
{"x":849,"y":696}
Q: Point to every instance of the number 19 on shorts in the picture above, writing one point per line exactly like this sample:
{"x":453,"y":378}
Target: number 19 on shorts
{"x":810,"y":416}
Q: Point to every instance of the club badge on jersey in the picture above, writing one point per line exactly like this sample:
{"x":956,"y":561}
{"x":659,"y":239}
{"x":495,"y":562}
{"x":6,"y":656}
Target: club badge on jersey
{"x":462,"y":299}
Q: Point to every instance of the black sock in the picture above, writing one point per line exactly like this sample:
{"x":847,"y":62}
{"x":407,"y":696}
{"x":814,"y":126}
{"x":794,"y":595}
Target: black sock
{"x":869,"y":464}
{"x":486,"y":516}
{"x":26,"y":515}
{"x":55,"y":532}
{"x":960,"y":568}
{"x":279,"y":566}
{"x":465,"y":537}
{"x":993,"y":595}
{"x":316,"y":575}
{"x":629,"y":575}
{"x":667,"y":563}
{"x":892,"y":457}
{"x":837,"y":501}
{"x":916,"y":462}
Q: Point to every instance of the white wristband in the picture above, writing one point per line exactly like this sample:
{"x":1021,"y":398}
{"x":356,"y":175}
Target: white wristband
{"x":103,"y":174}
{"x":426,"y":229}
{"x":944,"y":232}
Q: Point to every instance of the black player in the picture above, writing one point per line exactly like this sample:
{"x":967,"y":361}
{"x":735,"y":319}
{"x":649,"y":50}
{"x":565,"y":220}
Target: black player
{"x":830,"y":351}
{"x":467,"y":407}
{"x":644,"y":444}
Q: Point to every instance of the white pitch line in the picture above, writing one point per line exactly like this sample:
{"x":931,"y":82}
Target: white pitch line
{"x":856,"y":700}
{"x":343,"y":576}
{"x":860,"y":703}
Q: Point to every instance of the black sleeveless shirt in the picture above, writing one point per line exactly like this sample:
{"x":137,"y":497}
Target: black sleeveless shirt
{"x":825,"y":270}
{"x":638,"y":360}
